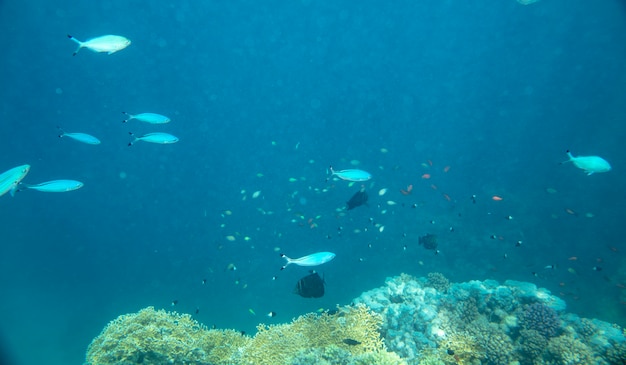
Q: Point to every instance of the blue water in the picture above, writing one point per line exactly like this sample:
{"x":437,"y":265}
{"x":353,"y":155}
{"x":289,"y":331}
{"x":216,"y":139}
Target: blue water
{"x":261,"y":92}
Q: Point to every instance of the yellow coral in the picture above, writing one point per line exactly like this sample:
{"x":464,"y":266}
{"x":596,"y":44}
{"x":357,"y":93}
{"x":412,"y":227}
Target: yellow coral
{"x":158,"y":337}
{"x":273,"y":344}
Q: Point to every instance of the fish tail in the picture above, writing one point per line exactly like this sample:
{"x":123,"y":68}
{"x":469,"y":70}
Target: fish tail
{"x":80,"y":44}
{"x":129,"y":117}
{"x":133,"y":141}
{"x":571,"y":158}
{"x":286,"y":258}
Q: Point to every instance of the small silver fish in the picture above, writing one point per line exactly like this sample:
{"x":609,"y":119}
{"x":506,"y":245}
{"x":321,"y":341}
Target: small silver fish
{"x":54,"y":186}
{"x":151,"y":118}
{"x":315,"y":259}
{"x":10,"y":179}
{"x":80,"y":137}
{"x":158,"y":138}
{"x":106,"y":43}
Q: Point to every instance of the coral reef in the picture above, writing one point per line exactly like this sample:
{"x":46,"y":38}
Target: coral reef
{"x":350,"y":336}
{"x":159,"y":337}
{"x":567,"y":350}
{"x":532,"y":344}
{"x":485,"y":322}
{"x":438,"y":282}
{"x":542,"y":319}
{"x":425,"y":321}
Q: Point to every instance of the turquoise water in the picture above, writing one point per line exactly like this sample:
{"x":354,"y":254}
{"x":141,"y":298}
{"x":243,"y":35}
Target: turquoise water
{"x":484,"y":98}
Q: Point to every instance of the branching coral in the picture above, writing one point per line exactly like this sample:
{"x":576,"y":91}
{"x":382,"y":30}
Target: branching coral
{"x":354,"y":329}
{"x":497,"y":345}
{"x":569,"y":351}
{"x":158,"y":337}
{"x":616,"y":354}
{"x":542,"y":319}
{"x":532,"y":343}
{"x":438,"y":281}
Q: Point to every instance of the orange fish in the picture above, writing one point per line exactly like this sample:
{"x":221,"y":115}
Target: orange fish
{"x":426,"y":176}
{"x":573,"y":258}
{"x":496,"y":198}
{"x":407,"y":191}
{"x":446,"y":169}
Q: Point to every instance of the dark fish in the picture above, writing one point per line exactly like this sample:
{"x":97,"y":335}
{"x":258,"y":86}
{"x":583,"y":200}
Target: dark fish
{"x":310,"y":286}
{"x":351,"y":342}
{"x":358,"y":199}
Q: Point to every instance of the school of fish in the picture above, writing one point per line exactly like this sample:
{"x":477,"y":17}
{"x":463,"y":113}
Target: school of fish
{"x":11,"y":180}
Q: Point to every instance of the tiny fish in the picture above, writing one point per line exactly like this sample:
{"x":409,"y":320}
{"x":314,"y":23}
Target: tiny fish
{"x":589,"y":164}
{"x":10,"y":179}
{"x":106,"y":43}
{"x":80,"y":137}
{"x":159,"y":138}
{"x":351,"y":342}
{"x":351,"y":174}
{"x":309,"y":260}
{"x":151,"y":118}
{"x":54,"y":186}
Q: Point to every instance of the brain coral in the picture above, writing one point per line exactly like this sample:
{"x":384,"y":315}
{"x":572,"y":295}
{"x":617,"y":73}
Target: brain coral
{"x":542,"y":319}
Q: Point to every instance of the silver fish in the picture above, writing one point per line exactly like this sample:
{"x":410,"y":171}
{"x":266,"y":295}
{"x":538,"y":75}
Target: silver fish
{"x":351,"y":174}
{"x":54,"y":186}
{"x":159,"y":138}
{"x":106,"y":43}
{"x":11,"y":178}
{"x":315,"y":259}
{"x":589,"y":164}
{"x":80,"y":137}
{"x":151,"y":118}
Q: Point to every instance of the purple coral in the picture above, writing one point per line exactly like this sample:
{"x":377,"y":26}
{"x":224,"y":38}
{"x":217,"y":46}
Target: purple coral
{"x":542,"y":319}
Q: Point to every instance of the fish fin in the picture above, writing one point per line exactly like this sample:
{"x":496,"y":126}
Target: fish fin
{"x":80,"y":44}
{"x":16,"y":188}
{"x":286,"y":258}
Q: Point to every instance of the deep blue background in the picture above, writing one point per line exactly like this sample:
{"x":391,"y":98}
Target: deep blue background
{"x":495,"y":90}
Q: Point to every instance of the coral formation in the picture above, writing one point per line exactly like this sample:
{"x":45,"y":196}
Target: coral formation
{"x":485,"y":322}
{"x":567,"y":350}
{"x":541,"y":318}
{"x":158,"y":337}
{"x":438,"y":282}
{"x":350,"y":336}
{"x":421,"y":321}
{"x":532,"y":343}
